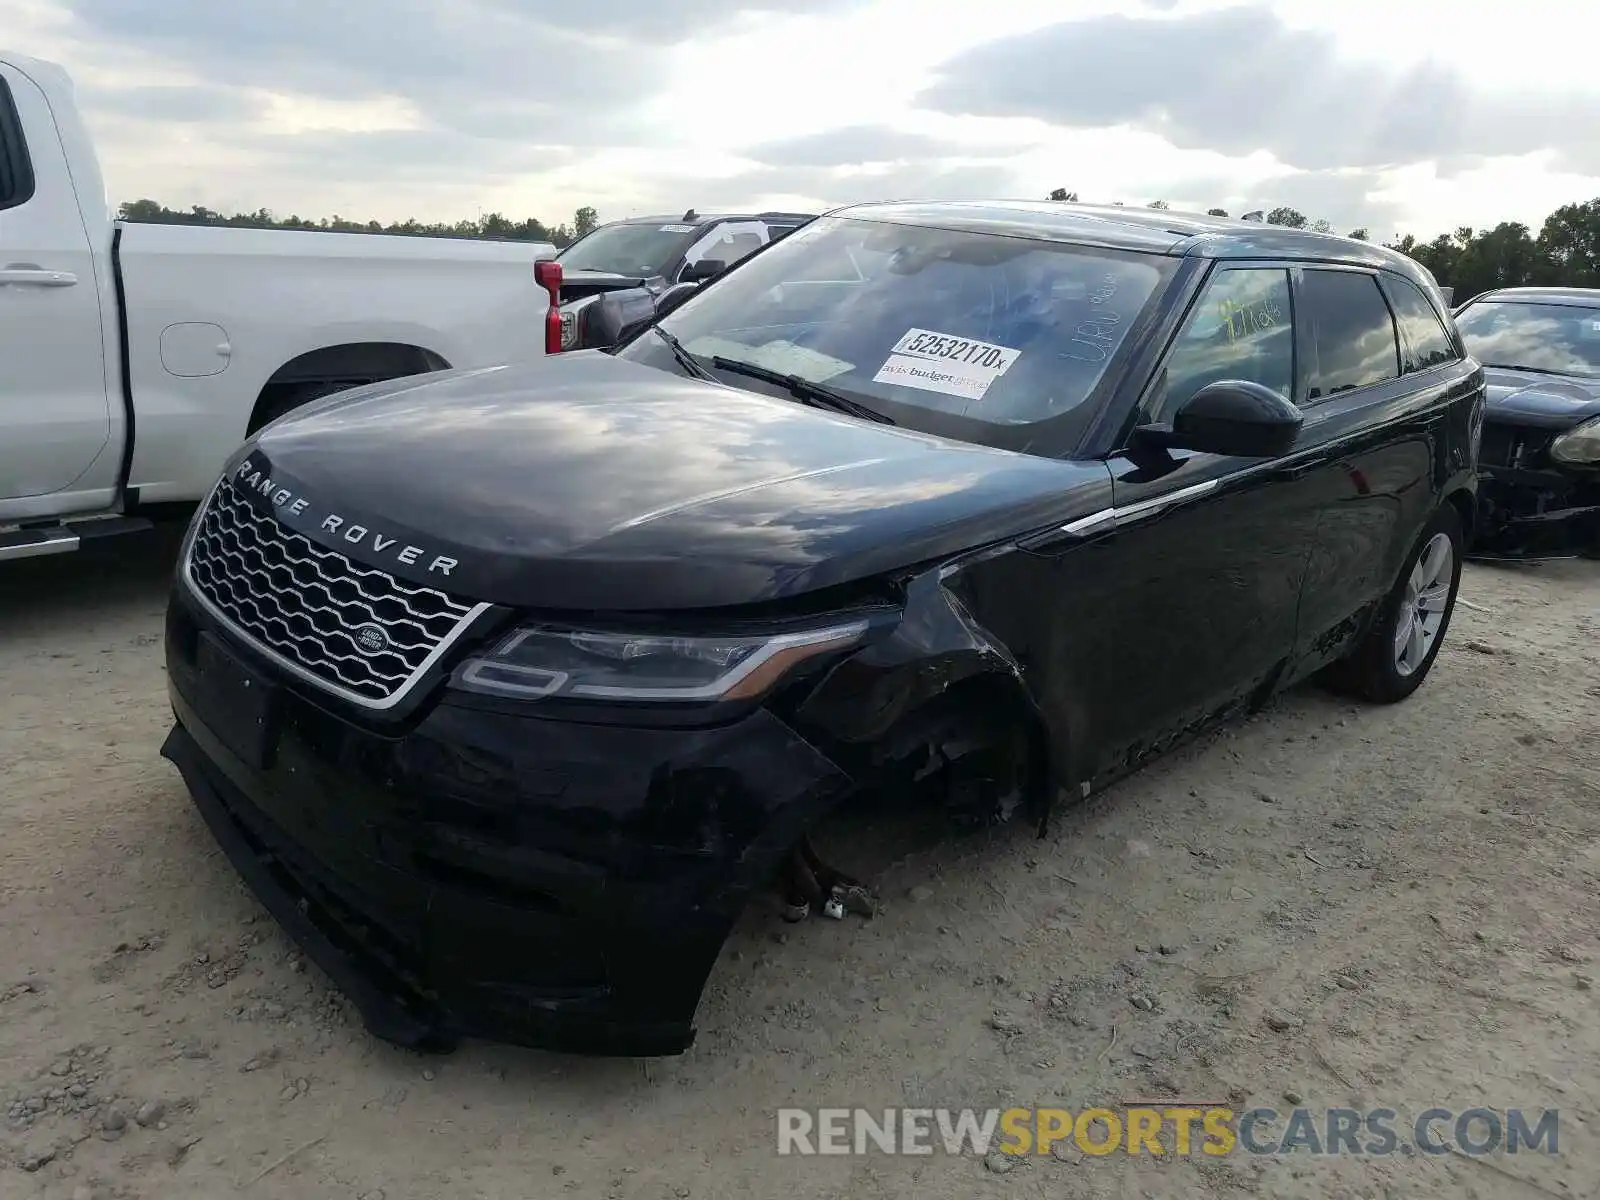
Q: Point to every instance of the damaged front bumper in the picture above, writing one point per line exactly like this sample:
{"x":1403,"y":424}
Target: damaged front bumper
{"x":1530,"y":506}
{"x":486,"y":873}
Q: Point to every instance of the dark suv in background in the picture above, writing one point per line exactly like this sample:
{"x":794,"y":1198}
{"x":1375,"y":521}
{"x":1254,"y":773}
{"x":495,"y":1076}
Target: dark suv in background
{"x":654,"y":253}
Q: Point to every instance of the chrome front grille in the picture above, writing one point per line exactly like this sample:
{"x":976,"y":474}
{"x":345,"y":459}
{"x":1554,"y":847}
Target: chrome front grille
{"x":351,"y":628}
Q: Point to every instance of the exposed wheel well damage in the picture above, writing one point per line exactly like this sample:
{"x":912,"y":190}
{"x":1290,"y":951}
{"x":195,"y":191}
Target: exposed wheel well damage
{"x":978,"y":748}
{"x":940,"y":712}
{"x":335,"y":368}
{"x":976,"y":753}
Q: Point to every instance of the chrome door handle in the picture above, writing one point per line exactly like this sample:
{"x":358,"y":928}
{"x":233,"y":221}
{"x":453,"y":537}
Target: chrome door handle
{"x":36,"y":277}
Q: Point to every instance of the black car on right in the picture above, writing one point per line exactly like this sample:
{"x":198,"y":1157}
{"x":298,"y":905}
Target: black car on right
{"x":1539,"y":494}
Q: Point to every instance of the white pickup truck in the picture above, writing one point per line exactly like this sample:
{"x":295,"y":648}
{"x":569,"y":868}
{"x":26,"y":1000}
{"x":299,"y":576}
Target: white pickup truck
{"x":134,"y":358}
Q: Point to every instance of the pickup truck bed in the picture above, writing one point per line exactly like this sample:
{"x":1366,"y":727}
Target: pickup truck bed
{"x":135,"y":357}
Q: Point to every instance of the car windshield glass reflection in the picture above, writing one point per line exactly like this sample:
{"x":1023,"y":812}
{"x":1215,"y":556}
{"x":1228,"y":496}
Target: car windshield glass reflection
{"x":998,"y":330}
{"x":635,"y":249}
{"x":1561,"y":338}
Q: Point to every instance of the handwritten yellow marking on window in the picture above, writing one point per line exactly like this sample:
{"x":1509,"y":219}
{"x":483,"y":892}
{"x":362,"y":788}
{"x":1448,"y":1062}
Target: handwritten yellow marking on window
{"x":1241,"y":320}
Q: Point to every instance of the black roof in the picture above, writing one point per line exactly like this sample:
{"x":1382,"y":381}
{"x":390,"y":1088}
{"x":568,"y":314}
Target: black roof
{"x":1576,"y":296}
{"x":1152,"y":230}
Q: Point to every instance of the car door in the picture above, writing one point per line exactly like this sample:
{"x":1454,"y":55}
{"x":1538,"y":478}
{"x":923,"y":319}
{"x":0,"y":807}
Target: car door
{"x":55,"y":415}
{"x":1196,"y":578}
{"x":1372,"y":485}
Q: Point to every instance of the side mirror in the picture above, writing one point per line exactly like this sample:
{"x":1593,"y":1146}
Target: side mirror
{"x":605,"y":319}
{"x":674,"y":296}
{"x":1233,"y":417}
{"x":699,"y":272}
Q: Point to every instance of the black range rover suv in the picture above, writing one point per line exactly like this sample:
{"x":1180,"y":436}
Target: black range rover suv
{"x":506,"y":689}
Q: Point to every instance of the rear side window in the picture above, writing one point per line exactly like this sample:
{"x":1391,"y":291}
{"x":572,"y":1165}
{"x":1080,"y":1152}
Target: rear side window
{"x":1423,"y":340}
{"x":1241,"y":328}
{"x":1356,"y":345}
{"x":16,"y":172}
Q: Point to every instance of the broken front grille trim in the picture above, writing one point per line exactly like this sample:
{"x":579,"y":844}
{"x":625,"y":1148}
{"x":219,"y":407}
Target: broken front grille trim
{"x":226,"y":513}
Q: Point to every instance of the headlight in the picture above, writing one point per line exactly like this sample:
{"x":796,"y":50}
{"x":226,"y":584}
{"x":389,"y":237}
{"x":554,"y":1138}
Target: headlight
{"x":588,"y":665}
{"x":1578,"y":447}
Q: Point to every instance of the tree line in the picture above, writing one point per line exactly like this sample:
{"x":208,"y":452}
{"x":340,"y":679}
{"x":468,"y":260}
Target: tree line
{"x":1566,"y":250}
{"x":489,"y":226}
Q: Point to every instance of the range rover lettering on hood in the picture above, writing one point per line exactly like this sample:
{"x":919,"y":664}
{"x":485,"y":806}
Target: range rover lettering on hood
{"x":371,"y":541}
{"x":579,"y":482}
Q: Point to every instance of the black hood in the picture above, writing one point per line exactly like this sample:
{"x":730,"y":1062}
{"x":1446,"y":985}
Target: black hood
{"x":580,"y":481}
{"x":577,"y":284}
{"x":1536,"y":398}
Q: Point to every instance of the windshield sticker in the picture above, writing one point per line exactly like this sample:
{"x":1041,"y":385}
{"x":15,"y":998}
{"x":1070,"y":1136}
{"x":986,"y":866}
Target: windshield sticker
{"x":936,"y":375}
{"x":943,"y":362}
{"x":779,"y":355}
{"x":950,"y":349}
{"x":677,"y":229}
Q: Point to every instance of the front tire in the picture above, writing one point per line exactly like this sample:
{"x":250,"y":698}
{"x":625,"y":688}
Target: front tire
{"x":1397,"y":653}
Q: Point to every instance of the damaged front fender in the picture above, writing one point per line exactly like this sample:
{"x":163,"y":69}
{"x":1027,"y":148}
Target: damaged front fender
{"x":940,"y":696}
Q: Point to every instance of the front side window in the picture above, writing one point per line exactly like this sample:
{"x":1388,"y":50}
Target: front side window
{"x":728,"y":242}
{"x":1563,"y":339}
{"x":1241,"y":328}
{"x":1356,"y":344}
{"x":1424,"y":342}
{"x":976,"y":335}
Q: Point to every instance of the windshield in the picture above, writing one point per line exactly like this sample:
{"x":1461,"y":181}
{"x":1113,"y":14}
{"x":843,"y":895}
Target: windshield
{"x":1561,"y":338}
{"x":971,"y":335}
{"x":632,"y":248}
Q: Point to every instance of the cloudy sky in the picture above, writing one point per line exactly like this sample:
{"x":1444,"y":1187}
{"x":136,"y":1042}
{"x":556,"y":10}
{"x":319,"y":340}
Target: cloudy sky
{"x":1398,"y":115}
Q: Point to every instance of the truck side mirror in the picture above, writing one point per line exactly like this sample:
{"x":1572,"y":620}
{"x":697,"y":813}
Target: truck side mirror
{"x":699,"y":272}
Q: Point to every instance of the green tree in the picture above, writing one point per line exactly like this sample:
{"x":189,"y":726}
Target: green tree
{"x":1157,"y":204}
{"x":1485,"y":261}
{"x":1569,"y":245}
{"x":584,"y":221}
{"x":1061,"y":194}
{"x":1292,"y":218}
{"x":491,"y":225}
{"x":1361,"y":235}
{"x":1216,"y":212}
{"x":1321,"y":225}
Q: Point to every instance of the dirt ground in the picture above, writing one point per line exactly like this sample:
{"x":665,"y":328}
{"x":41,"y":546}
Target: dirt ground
{"x":1353,"y":906}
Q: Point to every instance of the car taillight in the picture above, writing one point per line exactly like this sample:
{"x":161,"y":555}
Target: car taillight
{"x":547,"y":274}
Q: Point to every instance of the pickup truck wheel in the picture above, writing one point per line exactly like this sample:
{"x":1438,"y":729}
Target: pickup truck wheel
{"x":1397,"y":653}
{"x":290,"y":397}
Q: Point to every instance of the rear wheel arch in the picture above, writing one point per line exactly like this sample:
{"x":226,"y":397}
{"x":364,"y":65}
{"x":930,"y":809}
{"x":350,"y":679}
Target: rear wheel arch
{"x":330,"y":369}
{"x":1466,"y":506}
{"x":1368,"y":669}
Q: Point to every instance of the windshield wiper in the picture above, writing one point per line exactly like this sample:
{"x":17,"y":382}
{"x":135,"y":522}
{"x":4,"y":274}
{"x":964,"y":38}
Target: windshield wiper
{"x":814,"y":394}
{"x":1535,"y":370}
{"x":686,"y":360}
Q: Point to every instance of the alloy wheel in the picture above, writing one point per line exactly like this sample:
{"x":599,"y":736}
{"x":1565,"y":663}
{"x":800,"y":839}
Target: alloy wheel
{"x":1422,"y":608}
